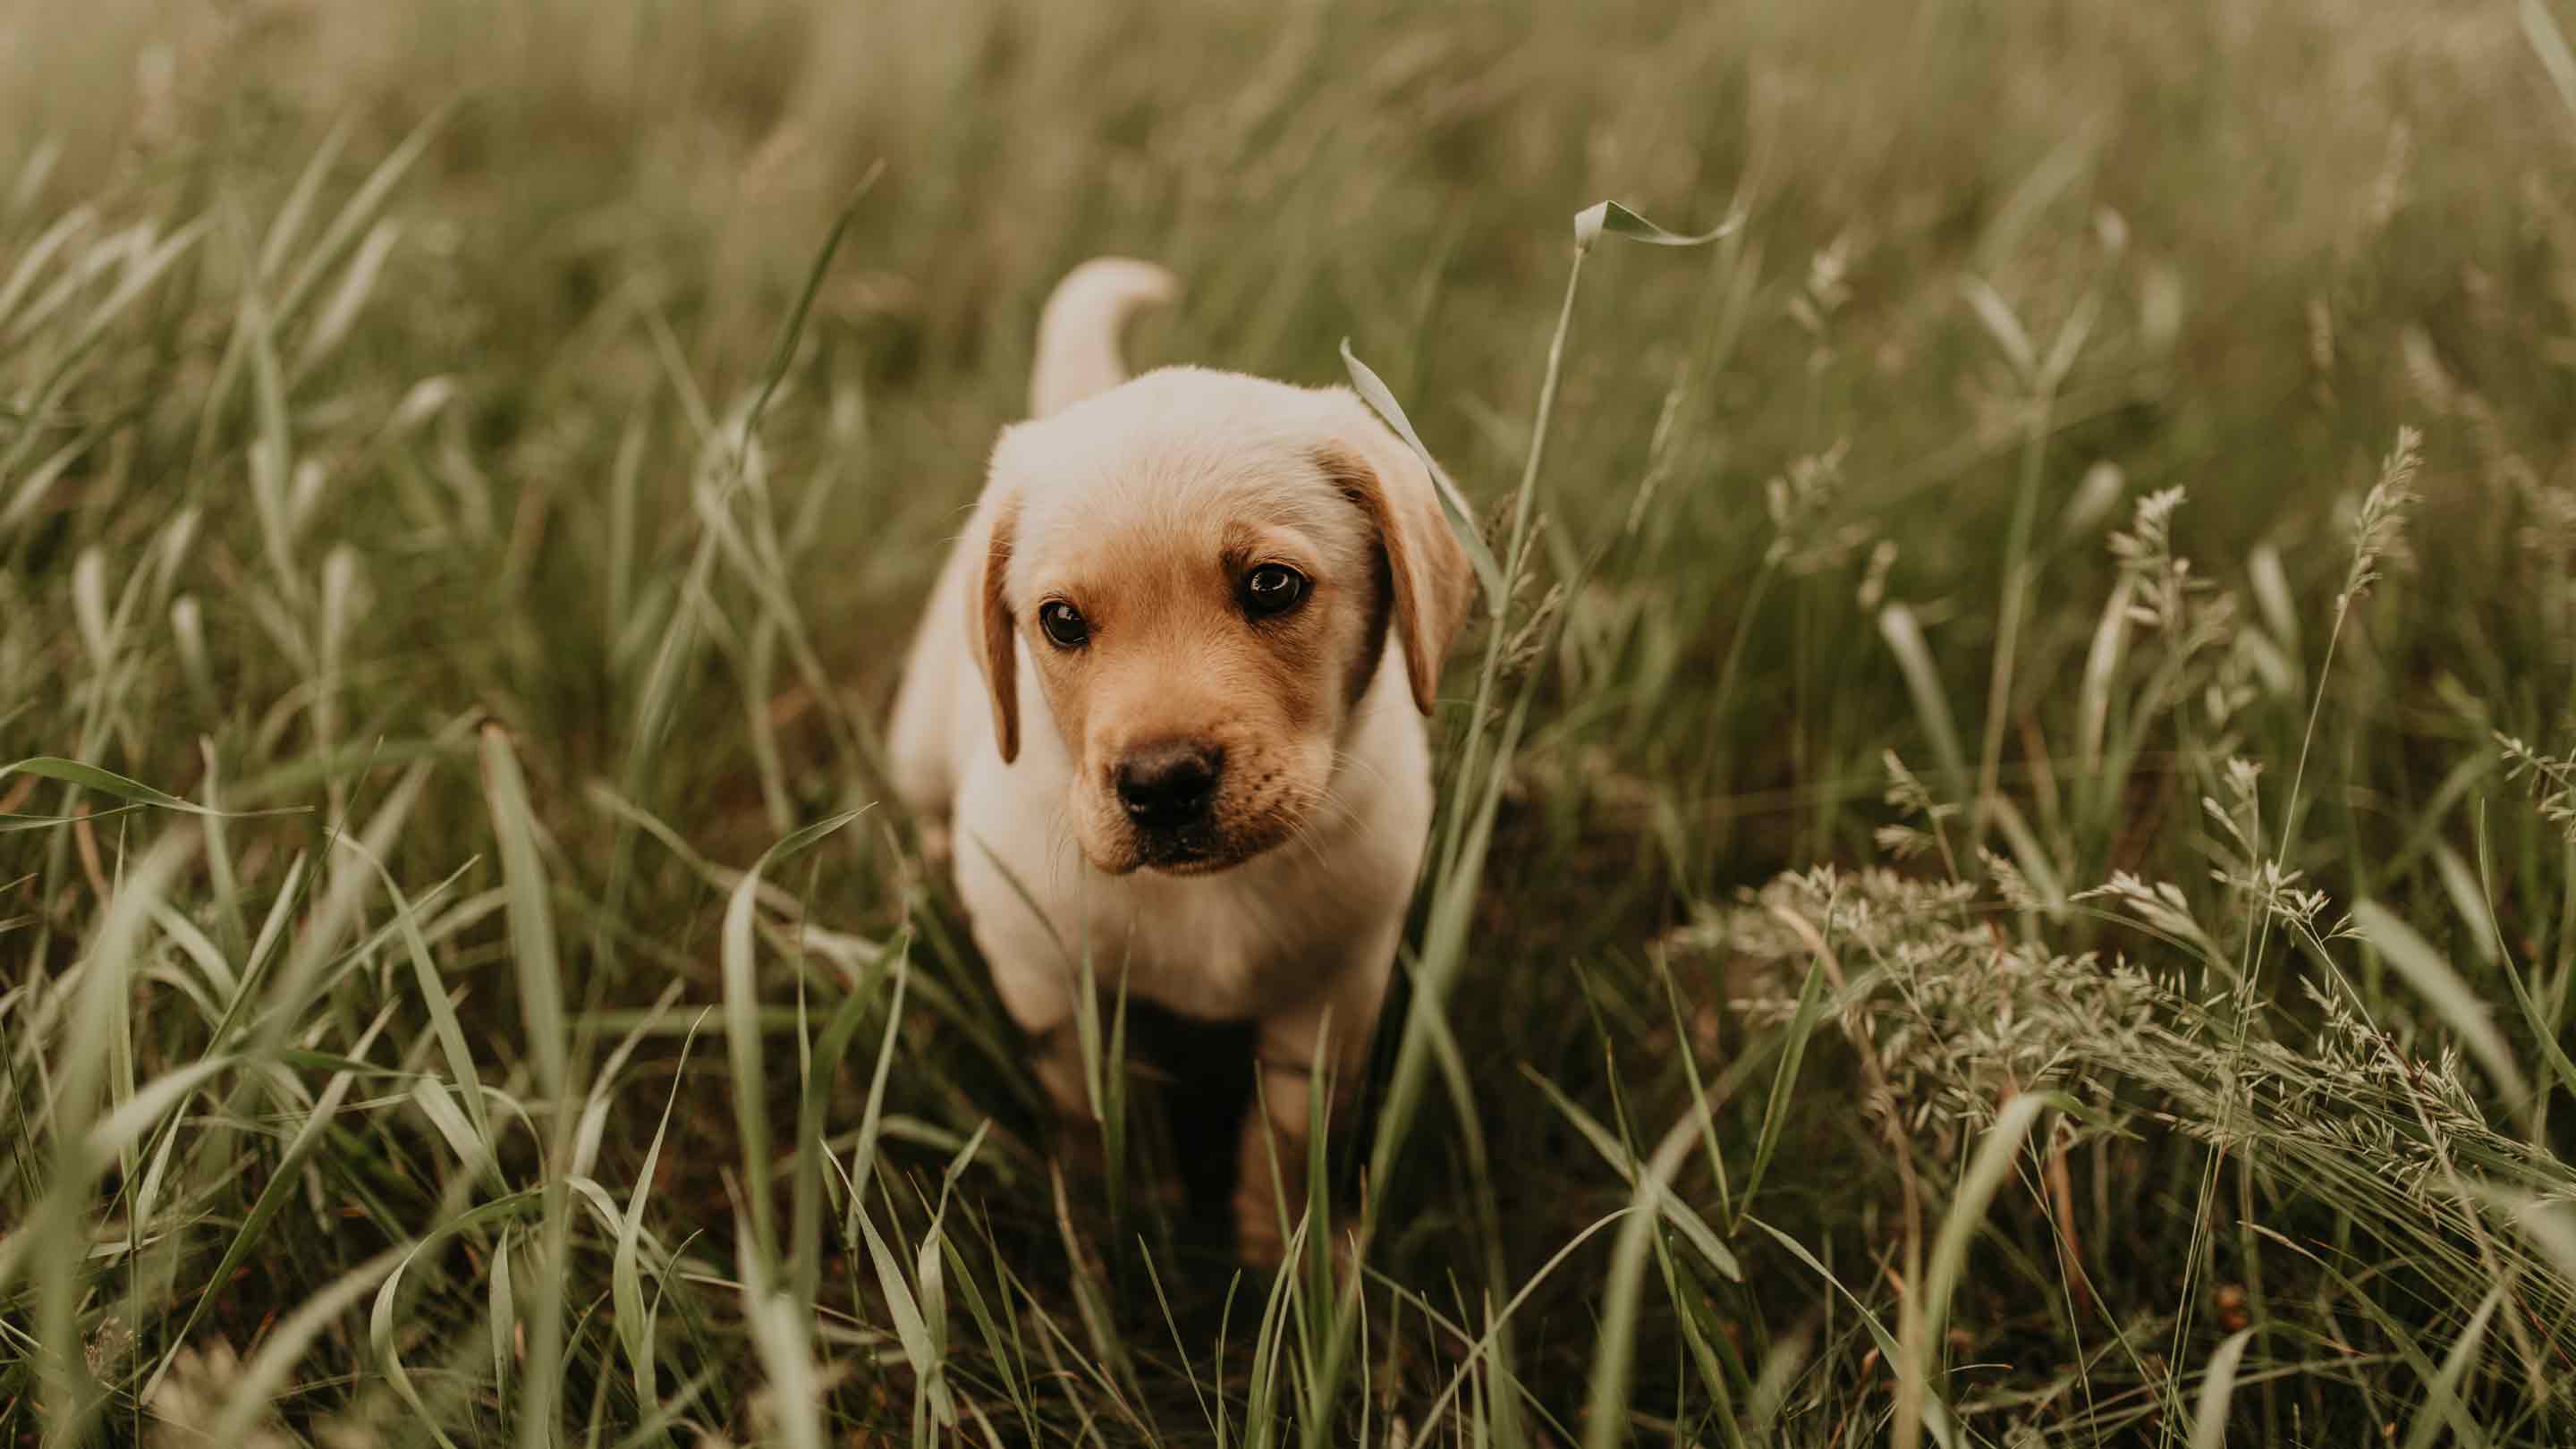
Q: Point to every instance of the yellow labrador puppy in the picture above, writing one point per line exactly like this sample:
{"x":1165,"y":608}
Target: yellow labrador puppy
{"x":1167,"y":707}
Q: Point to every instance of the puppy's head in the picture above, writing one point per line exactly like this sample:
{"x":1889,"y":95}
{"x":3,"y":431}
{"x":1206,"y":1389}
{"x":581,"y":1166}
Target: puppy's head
{"x":1202,"y":569}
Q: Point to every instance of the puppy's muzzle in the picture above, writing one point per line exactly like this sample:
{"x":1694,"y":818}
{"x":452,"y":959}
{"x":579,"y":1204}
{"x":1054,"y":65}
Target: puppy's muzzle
{"x":1169,"y":786}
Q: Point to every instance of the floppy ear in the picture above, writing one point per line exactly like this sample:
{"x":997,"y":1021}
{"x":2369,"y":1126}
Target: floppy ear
{"x":989,"y":635}
{"x":1424,"y":564}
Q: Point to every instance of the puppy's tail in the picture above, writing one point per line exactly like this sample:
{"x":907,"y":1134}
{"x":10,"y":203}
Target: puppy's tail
{"x":1078,"y":331}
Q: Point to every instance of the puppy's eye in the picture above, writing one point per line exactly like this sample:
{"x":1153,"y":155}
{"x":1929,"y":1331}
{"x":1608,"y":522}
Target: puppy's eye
{"x":1063,"y":624}
{"x":1272,"y":589}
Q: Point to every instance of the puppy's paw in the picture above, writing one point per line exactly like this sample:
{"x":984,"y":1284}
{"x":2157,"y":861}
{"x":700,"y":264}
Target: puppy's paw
{"x":1077,"y":1148}
{"x":1260,"y":1246}
{"x":1257,"y":1239}
{"x":1262,"y":1239}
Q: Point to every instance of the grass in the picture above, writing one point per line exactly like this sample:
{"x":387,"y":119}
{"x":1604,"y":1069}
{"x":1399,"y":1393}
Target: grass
{"x":2004,"y":869}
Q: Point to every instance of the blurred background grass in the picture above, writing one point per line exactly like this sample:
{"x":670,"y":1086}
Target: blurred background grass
{"x":318,"y":498}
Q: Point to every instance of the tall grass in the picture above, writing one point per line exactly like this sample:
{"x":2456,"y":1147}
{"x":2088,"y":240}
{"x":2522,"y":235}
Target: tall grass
{"x":2003,"y":870}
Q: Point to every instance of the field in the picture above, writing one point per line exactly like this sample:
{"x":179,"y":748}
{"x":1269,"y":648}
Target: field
{"x":2007,"y":863}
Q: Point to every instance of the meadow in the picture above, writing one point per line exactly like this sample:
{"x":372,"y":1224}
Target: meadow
{"x":2007,"y":863}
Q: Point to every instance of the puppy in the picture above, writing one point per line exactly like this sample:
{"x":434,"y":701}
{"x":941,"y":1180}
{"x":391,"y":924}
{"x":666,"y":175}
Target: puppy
{"x":1166,"y":709}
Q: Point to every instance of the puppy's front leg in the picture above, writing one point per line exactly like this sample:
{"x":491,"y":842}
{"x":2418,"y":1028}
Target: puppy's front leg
{"x":1330,"y":1035}
{"x":1055,"y":1059}
{"x":1040,"y":997}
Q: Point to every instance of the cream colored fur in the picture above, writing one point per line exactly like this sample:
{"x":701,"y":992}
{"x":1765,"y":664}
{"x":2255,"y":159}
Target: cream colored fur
{"x":1141,"y":501}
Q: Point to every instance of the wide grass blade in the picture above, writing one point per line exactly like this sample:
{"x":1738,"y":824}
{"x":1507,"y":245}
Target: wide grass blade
{"x":268,"y":1371}
{"x":1685,"y":1222}
{"x":2217,"y":1391}
{"x":108,"y":782}
{"x":636,"y":1317}
{"x":284,"y":1179}
{"x":1613,"y":1360}
{"x":1611,"y":219}
{"x":381,"y":1323}
{"x":1896,"y":623}
{"x":1776,"y":1108}
{"x":541,"y":1012}
{"x":2442,"y":1395}
{"x":2448,"y":995}
{"x":1374,"y":392}
{"x":1992,"y":1163}
{"x":450,"y":1030}
{"x":743,"y":1033}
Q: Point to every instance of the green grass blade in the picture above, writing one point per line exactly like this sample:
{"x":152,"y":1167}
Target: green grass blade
{"x":268,"y":1370}
{"x":743,"y":1035}
{"x":1480,"y":556}
{"x":1784,"y":1080}
{"x":108,"y":782}
{"x":1665,"y":1203}
{"x":2442,"y":1396}
{"x":1609,"y":218}
{"x":2450,"y":997}
{"x":1896,"y":623}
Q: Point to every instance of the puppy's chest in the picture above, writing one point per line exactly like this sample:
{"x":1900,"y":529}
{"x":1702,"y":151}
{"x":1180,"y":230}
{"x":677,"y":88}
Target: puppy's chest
{"x":1226,"y":948}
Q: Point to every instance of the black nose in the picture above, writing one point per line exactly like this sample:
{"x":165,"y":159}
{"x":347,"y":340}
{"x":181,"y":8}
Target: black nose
{"x":1168,"y":784}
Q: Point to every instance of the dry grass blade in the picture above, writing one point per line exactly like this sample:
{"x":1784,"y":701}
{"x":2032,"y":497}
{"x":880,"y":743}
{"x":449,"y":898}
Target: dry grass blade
{"x":2217,"y":1392}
